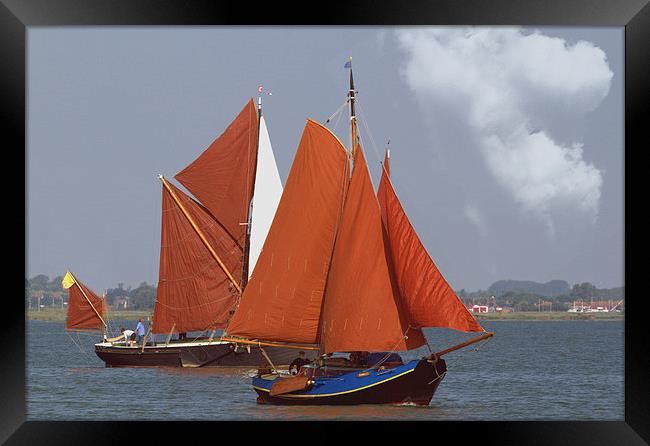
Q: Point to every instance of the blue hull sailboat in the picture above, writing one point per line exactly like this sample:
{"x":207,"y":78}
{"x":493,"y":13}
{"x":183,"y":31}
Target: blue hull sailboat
{"x":342,"y":270}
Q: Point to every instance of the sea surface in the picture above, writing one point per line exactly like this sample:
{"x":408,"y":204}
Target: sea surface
{"x":530,"y":370}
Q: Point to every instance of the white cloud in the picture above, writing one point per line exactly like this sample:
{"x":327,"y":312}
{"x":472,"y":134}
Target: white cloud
{"x":512,"y":88}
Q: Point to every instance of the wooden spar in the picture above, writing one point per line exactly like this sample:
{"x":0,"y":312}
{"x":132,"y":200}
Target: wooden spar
{"x":170,"y":334}
{"x":268,"y":359}
{"x":464,"y":344}
{"x":269,"y":344}
{"x":89,"y":302}
{"x":199,"y":233}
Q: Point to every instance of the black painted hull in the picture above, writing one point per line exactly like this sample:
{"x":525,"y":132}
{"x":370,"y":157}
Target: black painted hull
{"x":200,"y":355}
{"x":416,"y":388}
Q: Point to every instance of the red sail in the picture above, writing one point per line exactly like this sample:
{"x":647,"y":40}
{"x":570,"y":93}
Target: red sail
{"x":282,"y":301}
{"x":361,"y":309}
{"x":194,"y":293}
{"x":222,"y":177}
{"x":426,"y":295}
{"x":86,"y":311}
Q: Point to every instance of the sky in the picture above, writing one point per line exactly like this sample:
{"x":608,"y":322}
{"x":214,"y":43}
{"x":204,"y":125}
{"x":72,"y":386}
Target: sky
{"x":507,"y":143}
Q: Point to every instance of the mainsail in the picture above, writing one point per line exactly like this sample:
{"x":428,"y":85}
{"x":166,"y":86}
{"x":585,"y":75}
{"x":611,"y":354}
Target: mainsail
{"x":86,"y":310}
{"x":283,"y":299}
{"x":425,"y":294}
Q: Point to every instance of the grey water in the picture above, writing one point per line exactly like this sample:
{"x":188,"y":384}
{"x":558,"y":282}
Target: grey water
{"x":530,"y":370}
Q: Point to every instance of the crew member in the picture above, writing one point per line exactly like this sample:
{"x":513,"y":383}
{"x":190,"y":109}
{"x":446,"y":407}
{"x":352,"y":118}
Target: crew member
{"x":127,"y":335}
{"x":139,"y":330}
{"x":301,"y":360}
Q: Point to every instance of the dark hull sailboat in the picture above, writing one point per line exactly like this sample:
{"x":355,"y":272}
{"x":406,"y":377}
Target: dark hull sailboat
{"x":197,"y":353}
{"x":209,"y":246}
{"x":411,"y":383}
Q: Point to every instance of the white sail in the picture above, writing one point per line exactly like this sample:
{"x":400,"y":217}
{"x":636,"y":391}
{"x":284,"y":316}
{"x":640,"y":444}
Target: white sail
{"x":268,"y":190}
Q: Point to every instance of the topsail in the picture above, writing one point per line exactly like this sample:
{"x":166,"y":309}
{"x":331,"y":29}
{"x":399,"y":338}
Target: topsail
{"x":268,"y":190}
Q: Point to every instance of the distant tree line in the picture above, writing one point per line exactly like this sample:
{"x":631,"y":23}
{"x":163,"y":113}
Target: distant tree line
{"x":519,"y":297}
{"x":40,"y":289}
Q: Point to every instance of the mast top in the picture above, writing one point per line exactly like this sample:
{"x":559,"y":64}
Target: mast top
{"x":353,"y":115}
{"x":260,"y":90}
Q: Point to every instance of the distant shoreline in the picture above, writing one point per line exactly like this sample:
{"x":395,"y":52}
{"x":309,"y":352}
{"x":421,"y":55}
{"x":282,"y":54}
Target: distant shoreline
{"x":550,"y":316}
{"x":59,"y":315}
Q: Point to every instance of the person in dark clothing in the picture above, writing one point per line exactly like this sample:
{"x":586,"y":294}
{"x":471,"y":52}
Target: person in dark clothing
{"x":301,"y":360}
{"x":359,"y":359}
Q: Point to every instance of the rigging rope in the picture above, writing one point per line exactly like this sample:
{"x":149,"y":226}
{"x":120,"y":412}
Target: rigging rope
{"x":389,"y":353}
{"x":483,"y":343}
{"x":365,"y":124}
{"x":337,"y":111}
{"x":336,"y":124}
{"x":79,"y":345}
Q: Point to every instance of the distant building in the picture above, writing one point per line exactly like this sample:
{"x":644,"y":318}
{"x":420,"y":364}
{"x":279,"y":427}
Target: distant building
{"x":479,"y":309}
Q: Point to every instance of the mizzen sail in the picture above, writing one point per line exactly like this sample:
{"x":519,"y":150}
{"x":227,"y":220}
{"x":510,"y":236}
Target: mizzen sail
{"x":426,"y":296}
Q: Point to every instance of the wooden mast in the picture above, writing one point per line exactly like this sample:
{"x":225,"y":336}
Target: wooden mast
{"x":199,"y":233}
{"x":353,"y":116}
{"x":247,"y":243}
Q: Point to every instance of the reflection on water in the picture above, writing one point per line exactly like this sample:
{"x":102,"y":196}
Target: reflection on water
{"x":530,"y":370}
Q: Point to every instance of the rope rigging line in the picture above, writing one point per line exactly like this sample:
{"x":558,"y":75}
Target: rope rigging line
{"x":79,"y":345}
{"x":389,"y":353}
{"x":365,"y":124}
{"x":336,"y":124}
{"x":337,"y":111}
{"x":483,"y":343}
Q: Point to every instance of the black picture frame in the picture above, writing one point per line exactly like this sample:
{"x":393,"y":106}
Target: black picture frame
{"x":634,"y":15}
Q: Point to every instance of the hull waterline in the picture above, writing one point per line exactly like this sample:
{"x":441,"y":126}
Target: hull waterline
{"x":192,"y":354}
{"x":411,"y":383}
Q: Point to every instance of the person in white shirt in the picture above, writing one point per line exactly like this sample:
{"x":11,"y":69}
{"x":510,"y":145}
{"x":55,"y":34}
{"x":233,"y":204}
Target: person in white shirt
{"x":127,"y":335}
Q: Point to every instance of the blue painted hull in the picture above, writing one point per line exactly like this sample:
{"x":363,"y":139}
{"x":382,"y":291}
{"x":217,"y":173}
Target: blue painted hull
{"x":414,"y":382}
